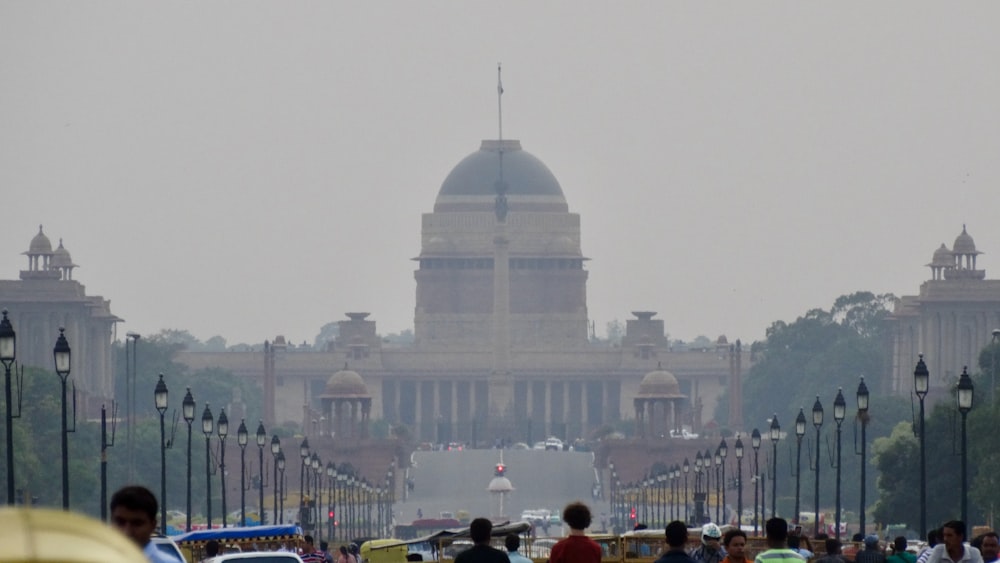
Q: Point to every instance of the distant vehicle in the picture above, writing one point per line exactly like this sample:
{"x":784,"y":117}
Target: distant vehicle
{"x":167,"y":545}
{"x":553,"y":444}
{"x":520,"y":446}
{"x":455,"y":447}
{"x":257,"y":557}
{"x":539,"y":445}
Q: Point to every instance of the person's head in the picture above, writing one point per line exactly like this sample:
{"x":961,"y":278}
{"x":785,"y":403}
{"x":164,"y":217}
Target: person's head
{"x":934,"y":537}
{"x":480,"y":530}
{"x":211,"y":548}
{"x":711,"y":535}
{"x":324,"y":546}
{"x":735,"y":541}
{"x":677,"y":534}
{"x":832,"y":546}
{"x":793,"y":542}
{"x":307,"y":543}
{"x":512,"y":542}
{"x":871,"y":542}
{"x":858,"y":537}
{"x":899,"y":544}
{"x":133,"y":512}
{"x":990,"y":547}
{"x":577,"y":516}
{"x":776,"y":530}
{"x":953,"y":533}
{"x":343,"y":550}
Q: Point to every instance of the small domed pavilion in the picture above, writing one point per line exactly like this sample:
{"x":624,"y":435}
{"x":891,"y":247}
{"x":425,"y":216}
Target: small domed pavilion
{"x":346,"y":405}
{"x":658,"y":405}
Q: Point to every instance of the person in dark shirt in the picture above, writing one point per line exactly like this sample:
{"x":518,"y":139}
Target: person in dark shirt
{"x":872,"y":553}
{"x":480,"y":530}
{"x":833,"y":554}
{"x":677,"y":535}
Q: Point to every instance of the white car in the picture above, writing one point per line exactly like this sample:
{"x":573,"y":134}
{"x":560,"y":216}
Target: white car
{"x":553,"y":444}
{"x":167,"y":545}
{"x":257,"y":557}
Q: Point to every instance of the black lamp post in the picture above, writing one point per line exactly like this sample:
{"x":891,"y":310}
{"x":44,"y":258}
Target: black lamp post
{"x":775,"y":435}
{"x":280,"y":465}
{"x":755,"y":444}
{"x":699,"y":498}
{"x":243,"y":438}
{"x":8,"y":339}
{"x":739,"y":481}
{"x":187,"y":409}
{"x":921,"y":384}
{"x":800,"y":431}
{"x":722,"y":452}
{"x":317,"y":494}
{"x":261,"y":440}
{"x":661,"y":480}
{"x":223,"y":432}
{"x":304,"y":454}
{"x":817,"y":416}
{"x":61,"y":353}
{"x":207,"y":427}
{"x":839,"y":413}
{"x":965,"y":390}
{"x":863,"y":419}
{"x":686,"y":468}
{"x":275,"y":450}
{"x":718,"y":485}
{"x":160,"y":399}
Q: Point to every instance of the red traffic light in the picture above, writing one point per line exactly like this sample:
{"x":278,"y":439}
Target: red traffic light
{"x":330,"y":514}
{"x":500,"y":470}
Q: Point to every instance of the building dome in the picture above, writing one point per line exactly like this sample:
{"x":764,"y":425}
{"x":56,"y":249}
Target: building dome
{"x":346,"y":383}
{"x":61,"y":258}
{"x":964,"y":243}
{"x":942,"y":257}
{"x":40,"y":244}
{"x":477,"y":174}
{"x":661,"y":384}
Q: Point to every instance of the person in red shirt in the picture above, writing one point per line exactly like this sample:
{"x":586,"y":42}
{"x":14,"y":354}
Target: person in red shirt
{"x":576,"y":547}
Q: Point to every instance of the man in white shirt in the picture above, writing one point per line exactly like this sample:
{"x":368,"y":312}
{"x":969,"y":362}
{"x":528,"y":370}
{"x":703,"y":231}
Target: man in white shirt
{"x":954,"y":549}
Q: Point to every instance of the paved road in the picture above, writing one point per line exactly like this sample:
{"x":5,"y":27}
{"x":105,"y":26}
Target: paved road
{"x":454,"y":481}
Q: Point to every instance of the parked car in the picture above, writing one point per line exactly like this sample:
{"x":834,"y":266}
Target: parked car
{"x":257,"y":557}
{"x":553,"y":444}
{"x":167,"y":545}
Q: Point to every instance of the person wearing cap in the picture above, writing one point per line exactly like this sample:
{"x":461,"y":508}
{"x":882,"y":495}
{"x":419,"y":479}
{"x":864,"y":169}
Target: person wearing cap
{"x":776,"y":532}
{"x":872,"y":553}
{"x":953,"y":549}
{"x":710,"y":550}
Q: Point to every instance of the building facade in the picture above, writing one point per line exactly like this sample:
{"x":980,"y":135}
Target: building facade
{"x":47,"y":298}
{"x":949,"y":321}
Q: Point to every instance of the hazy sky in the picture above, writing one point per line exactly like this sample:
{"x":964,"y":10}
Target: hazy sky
{"x":249,"y":169}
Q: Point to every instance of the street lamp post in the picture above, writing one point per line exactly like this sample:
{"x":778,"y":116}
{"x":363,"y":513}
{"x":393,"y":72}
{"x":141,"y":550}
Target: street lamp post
{"x":160,"y":399}
{"x":61,"y":354}
{"x":839,"y":413}
{"x":8,"y":339}
{"x":862,"y":396}
{"x":261,"y":440}
{"x":723,"y":451}
{"x":965,"y":390}
{"x":739,"y":481}
{"x":686,"y":468}
{"x":242,"y":439}
{"x":304,"y":455}
{"x":921,"y":384}
{"x":207,"y":426}
{"x":775,"y":435}
{"x":755,"y":444}
{"x":331,"y":473}
{"x":275,"y":450}
{"x":223,"y":429}
{"x":317,"y":494}
{"x":280,"y":465}
{"x":800,"y":431}
{"x":817,"y":416}
{"x":718,"y":485}
{"x":699,"y":498}
{"x":187,"y":409}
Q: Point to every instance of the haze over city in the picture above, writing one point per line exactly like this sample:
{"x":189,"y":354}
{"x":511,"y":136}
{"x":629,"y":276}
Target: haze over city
{"x":254,"y":169}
